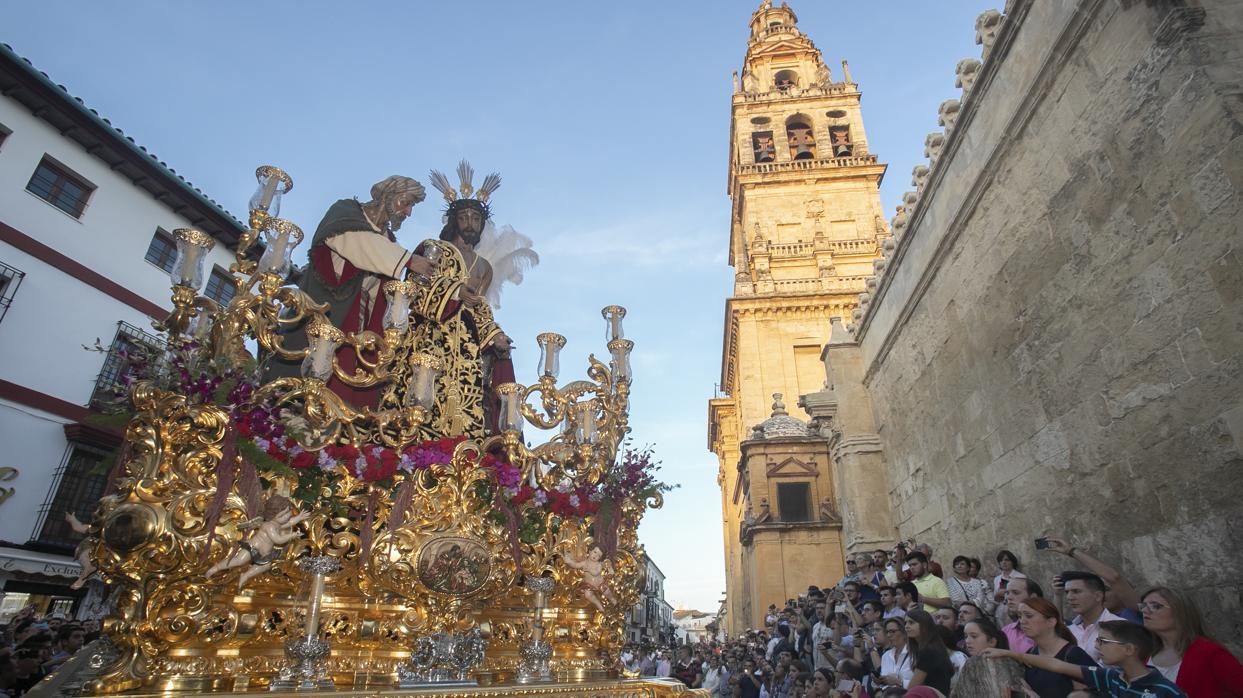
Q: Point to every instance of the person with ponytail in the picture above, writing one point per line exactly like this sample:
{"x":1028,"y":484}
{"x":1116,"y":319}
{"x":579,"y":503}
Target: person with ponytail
{"x":1039,"y":620}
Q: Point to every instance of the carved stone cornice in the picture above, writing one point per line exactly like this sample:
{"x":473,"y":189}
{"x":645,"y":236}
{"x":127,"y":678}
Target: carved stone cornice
{"x":746,"y":532}
{"x":840,"y":445}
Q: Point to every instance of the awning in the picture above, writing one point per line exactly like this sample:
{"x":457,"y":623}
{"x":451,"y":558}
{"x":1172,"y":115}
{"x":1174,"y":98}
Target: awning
{"x":18,"y":560}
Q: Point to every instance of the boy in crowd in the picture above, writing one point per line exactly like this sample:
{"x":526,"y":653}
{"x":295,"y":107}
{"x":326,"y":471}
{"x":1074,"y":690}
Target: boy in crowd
{"x":1121,"y":644}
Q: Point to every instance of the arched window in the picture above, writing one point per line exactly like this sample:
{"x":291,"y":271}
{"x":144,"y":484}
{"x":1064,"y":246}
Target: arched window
{"x":763,"y":146}
{"x":802,"y":141}
{"x":839,"y":137}
{"x":785,"y":79}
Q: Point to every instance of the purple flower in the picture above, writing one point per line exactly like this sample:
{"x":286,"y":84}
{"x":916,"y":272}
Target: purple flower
{"x":508,"y":476}
{"x":574,"y":500}
{"x":325,"y":462}
{"x":540,"y":498}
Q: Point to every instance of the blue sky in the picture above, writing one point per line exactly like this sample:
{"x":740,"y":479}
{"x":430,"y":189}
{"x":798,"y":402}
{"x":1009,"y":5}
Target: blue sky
{"x":608,"y":121}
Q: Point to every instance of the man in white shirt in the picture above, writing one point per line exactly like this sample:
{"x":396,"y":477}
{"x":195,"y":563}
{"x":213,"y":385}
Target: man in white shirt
{"x":821,"y":635}
{"x":716,"y":677}
{"x":1085,"y":596}
{"x":664,"y":667}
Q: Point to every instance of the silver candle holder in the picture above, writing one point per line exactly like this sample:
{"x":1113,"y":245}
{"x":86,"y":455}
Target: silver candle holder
{"x":535,"y":653}
{"x":306,"y":668}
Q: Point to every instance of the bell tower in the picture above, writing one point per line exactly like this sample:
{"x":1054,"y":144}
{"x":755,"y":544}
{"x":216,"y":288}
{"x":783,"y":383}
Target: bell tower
{"x":805,"y":229}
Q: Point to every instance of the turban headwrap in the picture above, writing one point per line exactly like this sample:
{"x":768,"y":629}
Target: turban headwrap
{"x":397,"y":184}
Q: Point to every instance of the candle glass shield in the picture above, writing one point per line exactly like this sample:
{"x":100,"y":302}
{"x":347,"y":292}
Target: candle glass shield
{"x":510,"y":417}
{"x":280,"y":237}
{"x":620,"y":349}
{"x":273,"y":184}
{"x":585,"y":431}
{"x":550,"y":345}
{"x":424,"y":372}
{"x":192,"y":248}
{"x":323,"y":340}
{"x":613,"y":315}
{"x":398,"y":294}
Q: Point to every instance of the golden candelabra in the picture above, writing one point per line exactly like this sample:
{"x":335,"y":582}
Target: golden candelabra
{"x":444,"y":549}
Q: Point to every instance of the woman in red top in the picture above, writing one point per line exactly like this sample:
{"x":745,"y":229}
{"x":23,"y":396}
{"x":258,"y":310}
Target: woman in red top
{"x":1196,"y":664}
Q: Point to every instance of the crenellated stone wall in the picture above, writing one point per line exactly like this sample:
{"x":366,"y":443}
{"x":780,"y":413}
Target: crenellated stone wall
{"x":1054,"y":340}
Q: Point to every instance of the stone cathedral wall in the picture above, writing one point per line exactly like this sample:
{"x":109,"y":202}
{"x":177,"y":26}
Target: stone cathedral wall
{"x":1056,"y":342}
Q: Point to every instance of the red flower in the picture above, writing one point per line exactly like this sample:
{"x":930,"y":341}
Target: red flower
{"x":305,"y":459}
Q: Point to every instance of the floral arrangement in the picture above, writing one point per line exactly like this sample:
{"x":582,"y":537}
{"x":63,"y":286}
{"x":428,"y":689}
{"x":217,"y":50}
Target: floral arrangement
{"x":270,"y":445}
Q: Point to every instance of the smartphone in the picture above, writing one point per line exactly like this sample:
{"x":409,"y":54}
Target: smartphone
{"x":1042,"y":544}
{"x":1005,"y":583}
{"x":846,"y":685}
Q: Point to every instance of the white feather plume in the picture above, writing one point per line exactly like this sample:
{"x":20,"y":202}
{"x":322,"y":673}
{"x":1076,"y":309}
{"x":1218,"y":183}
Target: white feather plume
{"x":510,"y":253}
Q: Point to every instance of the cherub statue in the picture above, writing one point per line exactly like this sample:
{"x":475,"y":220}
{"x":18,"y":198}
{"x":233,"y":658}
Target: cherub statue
{"x":275,"y":528}
{"x":83,"y":552}
{"x":594,"y":569}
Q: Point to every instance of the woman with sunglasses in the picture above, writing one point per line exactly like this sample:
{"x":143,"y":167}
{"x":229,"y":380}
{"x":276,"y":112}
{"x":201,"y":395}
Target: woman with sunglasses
{"x":1195,"y":663}
{"x":897,"y":666}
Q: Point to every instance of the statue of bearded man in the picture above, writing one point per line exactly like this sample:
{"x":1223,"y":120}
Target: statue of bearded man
{"x":473,"y":351}
{"x":354,"y":251}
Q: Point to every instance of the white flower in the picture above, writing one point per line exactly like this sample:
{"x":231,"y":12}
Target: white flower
{"x":565,"y":485}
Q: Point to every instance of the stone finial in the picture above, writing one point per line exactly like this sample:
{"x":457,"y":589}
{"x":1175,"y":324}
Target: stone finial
{"x":878,"y":265}
{"x":846,"y":72}
{"x":856,"y":315}
{"x":850,"y":327}
{"x":898,"y":223}
{"x":965,"y":73}
{"x":909,"y":199}
{"x":872,"y":283}
{"x":919,"y":177}
{"x":779,"y":407}
{"x":888,"y":246}
{"x":932,"y":147}
{"x":823,"y":77}
{"x":864,"y":299}
{"x":947,"y":114}
{"x":986,"y":26}
{"x":736,"y":85}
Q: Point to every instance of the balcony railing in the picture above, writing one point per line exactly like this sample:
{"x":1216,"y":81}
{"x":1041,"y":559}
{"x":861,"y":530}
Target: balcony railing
{"x":10,"y":279}
{"x":128,"y":341}
{"x":801,"y":165}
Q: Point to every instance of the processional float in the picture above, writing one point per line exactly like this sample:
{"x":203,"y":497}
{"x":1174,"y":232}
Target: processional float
{"x":266,"y":533}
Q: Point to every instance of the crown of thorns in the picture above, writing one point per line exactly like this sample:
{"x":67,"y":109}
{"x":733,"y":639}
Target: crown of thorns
{"x":466,"y":195}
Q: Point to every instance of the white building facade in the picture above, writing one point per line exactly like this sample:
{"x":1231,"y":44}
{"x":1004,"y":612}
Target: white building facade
{"x":86,"y":217}
{"x":650,"y":620}
{"x":691,"y":626}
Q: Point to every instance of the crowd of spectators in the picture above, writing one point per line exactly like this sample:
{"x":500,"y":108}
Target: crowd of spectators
{"x":897,"y":624}
{"x":31,"y":647}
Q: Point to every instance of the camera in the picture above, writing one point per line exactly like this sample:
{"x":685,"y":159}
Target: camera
{"x":1042,"y":544}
